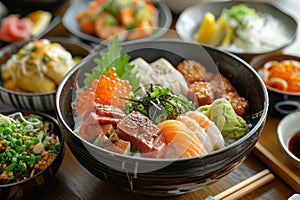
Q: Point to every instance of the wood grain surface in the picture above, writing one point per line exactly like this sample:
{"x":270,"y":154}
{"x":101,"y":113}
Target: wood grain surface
{"x":74,"y":182}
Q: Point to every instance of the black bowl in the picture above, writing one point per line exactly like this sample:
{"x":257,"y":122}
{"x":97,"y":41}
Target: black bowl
{"x":22,"y":188}
{"x":166,"y":177}
{"x":281,"y":102}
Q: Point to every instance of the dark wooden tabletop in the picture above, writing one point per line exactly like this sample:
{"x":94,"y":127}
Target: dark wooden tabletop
{"x":73,"y":181}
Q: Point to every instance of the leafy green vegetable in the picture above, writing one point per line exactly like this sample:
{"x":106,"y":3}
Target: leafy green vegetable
{"x":159,"y":104}
{"x":113,"y":58}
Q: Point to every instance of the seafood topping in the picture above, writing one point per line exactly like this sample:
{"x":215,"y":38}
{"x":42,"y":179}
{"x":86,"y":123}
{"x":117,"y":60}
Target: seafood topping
{"x":155,"y":110}
{"x":109,"y":111}
{"x":104,"y":114}
{"x":139,"y":130}
{"x":90,"y":131}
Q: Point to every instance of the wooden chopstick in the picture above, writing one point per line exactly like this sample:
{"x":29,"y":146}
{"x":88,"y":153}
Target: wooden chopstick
{"x":246,"y":186}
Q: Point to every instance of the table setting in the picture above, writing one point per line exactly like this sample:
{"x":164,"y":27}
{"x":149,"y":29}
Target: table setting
{"x":146,"y":99}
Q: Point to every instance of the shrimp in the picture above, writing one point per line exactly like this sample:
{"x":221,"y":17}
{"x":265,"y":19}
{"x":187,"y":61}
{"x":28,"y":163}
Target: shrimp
{"x":180,"y":140}
{"x":210,"y":128}
{"x":106,"y":26}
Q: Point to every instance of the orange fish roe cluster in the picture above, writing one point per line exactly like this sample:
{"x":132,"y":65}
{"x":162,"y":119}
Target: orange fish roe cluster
{"x":111,"y":89}
{"x":86,"y":98}
{"x":283,"y":75}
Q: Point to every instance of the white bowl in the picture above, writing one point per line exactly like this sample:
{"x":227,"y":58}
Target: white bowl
{"x":287,"y":127}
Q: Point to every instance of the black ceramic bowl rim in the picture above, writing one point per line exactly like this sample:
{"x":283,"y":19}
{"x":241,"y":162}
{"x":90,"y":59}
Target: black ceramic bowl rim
{"x":54,"y":39}
{"x":254,"y":53}
{"x":52,"y":119}
{"x":162,"y":7}
{"x":241,"y":140}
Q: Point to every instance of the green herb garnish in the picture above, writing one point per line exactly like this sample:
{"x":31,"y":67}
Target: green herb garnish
{"x":159,"y":104}
{"x":113,"y":58}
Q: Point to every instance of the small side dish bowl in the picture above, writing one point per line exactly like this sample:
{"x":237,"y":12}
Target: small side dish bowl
{"x":36,"y":101}
{"x":287,"y":128}
{"x":165,"y":176}
{"x":71,"y":23}
{"x":281,"y":102}
{"x":19,"y":189}
{"x":191,"y":18}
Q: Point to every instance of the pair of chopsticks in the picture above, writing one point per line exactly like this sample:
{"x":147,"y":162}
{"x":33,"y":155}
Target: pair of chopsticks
{"x":245,"y":187}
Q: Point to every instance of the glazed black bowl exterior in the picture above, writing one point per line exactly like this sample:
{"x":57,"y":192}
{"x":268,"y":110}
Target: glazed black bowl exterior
{"x":43,"y":102}
{"x":189,"y":21}
{"x":168,"y":176}
{"x":281,"y":103}
{"x":22,"y":188}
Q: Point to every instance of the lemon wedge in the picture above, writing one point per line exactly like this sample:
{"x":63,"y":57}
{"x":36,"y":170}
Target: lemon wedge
{"x":207,"y":28}
{"x":40,"y":20}
{"x":223,"y":33}
{"x":229,"y":32}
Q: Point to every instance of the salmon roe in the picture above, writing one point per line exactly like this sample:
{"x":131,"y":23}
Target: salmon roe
{"x":86,"y":98}
{"x":111,"y":89}
{"x":283,"y":75}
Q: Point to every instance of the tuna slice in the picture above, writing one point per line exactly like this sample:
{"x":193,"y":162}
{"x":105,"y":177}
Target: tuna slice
{"x":139,"y":130}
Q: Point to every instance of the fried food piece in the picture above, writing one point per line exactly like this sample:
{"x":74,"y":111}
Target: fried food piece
{"x":192,"y":71}
{"x":239,"y":104}
{"x":221,"y":85}
{"x":201,"y":93}
{"x":35,"y":83}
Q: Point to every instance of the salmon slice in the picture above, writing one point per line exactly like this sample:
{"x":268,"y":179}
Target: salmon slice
{"x":180,"y":140}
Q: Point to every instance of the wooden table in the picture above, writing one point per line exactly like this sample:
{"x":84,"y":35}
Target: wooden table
{"x":73,"y":181}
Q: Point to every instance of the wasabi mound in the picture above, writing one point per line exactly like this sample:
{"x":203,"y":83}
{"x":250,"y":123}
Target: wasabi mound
{"x":222,"y":113}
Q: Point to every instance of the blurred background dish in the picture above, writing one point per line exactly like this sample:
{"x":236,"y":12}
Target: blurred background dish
{"x":43,"y":101}
{"x":167,"y":176}
{"x":17,"y":190}
{"x":17,"y":28}
{"x":288,"y":133}
{"x":282,"y":101}
{"x":190,"y":20}
{"x":177,"y":6}
{"x":71,"y":23}
{"x":19,"y":6}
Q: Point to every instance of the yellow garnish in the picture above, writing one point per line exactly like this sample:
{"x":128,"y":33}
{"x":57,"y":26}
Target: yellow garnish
{"x":207,"y":28}
{"x":40,"y":20}
{"x":3,"y":118}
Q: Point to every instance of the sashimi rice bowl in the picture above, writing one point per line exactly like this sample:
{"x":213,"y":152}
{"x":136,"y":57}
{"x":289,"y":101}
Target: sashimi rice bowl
{"x":157,"y":119}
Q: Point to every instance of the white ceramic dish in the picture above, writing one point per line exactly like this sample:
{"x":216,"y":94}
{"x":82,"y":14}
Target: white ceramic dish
{"x":287,"y":127}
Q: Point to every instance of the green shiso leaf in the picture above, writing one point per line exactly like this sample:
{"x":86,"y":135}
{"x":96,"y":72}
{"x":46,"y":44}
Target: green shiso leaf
{"x":113,"y":58}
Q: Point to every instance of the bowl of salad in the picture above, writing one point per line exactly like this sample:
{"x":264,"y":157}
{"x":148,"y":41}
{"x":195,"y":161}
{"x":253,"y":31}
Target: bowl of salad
{"x":281,"y":74}
{"x":32,"y":150}
{"x":244,"y":28}
{"x":31,"y":71}
{"x":144,"y":116}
